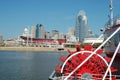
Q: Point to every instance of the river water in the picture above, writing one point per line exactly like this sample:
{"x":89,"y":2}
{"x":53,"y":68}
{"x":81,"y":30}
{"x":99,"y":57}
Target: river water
{"x":30,"y":65}
{"x":27,"y":65}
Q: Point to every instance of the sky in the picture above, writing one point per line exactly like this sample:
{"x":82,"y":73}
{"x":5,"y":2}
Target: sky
{"x":59,"y":15}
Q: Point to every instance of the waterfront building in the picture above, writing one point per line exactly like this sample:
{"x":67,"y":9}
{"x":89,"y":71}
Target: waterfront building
{"x":34,"y":32}
{"x":26,"y":32}
{"x":62,"y":36}
{"x":14,"y":42}
{"x":71,"y":39}
{"x":42,"y":31}
{"x":72,"y":31}
{"x":55,"y":34}
{"x":47,"y":35}
{"x":81,"y":27}
{"x":1,"y":40}
{"x":93,"y":40}
{"x":90,"y":34}
{"x":38,"y":35}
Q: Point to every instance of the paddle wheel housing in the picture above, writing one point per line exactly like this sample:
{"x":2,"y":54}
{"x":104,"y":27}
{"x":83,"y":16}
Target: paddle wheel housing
{"x":94,"y":68}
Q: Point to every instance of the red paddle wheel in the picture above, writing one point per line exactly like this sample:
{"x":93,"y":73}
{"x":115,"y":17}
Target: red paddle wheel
{"x":94,"y":68}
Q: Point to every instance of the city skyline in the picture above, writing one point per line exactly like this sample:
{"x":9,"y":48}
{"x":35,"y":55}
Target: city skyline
{"x":54,"y":15}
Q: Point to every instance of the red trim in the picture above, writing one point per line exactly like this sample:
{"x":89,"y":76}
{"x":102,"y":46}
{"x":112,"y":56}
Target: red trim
{"x":35,"y":40}
{"x":114,"y":26}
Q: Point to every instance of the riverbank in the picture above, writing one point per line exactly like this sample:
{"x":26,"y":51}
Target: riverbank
{"x":45,"y":49}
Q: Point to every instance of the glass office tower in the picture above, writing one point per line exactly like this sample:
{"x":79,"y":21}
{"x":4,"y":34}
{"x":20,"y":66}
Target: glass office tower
{"x":81,"y":27}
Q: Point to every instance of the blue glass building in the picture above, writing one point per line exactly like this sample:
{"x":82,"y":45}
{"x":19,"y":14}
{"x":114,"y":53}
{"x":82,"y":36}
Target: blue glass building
{"x":38,"y":31}
{"x":81,"y":27}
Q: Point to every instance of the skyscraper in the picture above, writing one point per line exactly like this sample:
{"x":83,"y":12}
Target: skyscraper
{"x":42,"y":31}
{"x":81,"y":27}
{"x":38,"y":35}
{"x":38,"y":31}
